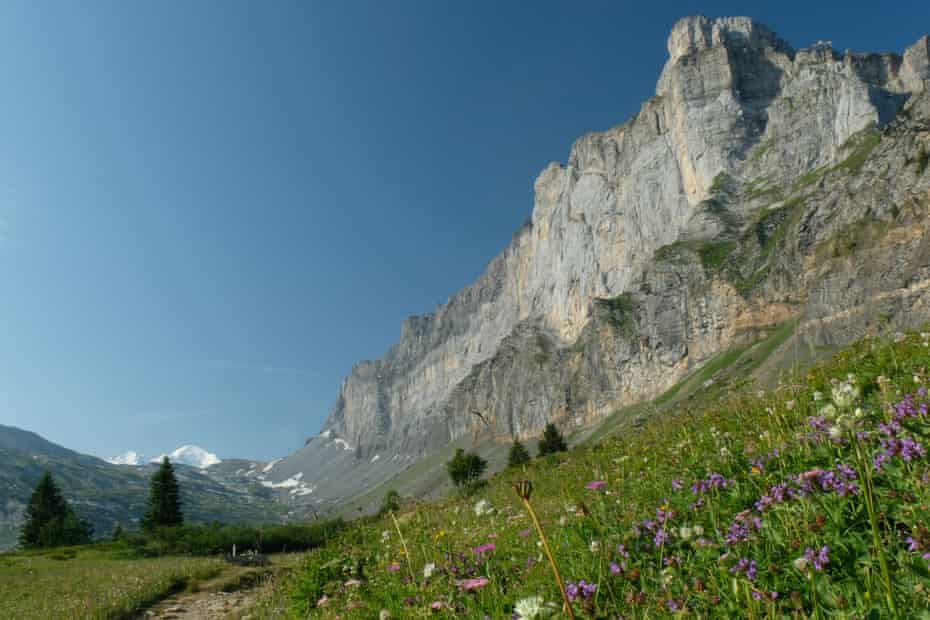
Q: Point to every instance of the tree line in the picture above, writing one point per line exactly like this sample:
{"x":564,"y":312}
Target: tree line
{"x":52,"y":522}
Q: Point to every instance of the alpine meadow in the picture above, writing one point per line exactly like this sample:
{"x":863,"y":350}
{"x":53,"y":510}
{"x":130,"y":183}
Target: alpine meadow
{"x":693,"y":384}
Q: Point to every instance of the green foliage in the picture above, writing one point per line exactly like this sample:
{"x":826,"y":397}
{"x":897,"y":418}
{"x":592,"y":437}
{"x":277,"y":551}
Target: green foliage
{"x":714,"y":254}
{"x":390,"y":503}
{"x":465,"y":467}
{"x":720,"y":182}
{"x":620,"y":311}
{"x":164,"y":505}
{"x":216,"y":538}
{"x":551,"y":441}
{"x":923,"y":158}
{"x":863,"y":145}
{"x":518,"y":454}
{"x":50,"y":520}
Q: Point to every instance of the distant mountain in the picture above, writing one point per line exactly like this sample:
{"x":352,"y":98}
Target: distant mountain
{"x":106,"y":494}
{"x":127,"y":458}
{"x":195,"y":456}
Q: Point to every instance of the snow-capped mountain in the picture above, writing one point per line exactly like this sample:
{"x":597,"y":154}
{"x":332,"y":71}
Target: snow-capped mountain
{"x":127,"y":458}
{"x":195,"y":456}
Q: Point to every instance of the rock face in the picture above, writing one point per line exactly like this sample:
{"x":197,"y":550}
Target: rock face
{"x":720,"y":207}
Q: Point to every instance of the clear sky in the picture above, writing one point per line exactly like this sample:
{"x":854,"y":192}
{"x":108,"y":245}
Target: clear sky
{"x":210,"y":210}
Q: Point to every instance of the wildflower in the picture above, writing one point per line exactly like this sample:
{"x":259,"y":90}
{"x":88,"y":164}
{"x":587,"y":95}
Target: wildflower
{"x":580,"y":590}
{"x":677,"y":484}
{"x":384,"y":615}
{"x":818,"y":558}
{"x":685,"y":532}
{"x":616,"y":569}
{"x":532,"y":607}
{"x":661,"y":537}
{"x":428,"y":570}
{"x":595,"y":546}
{"x":845,"y":394}
{"x":801,"y":563}
{"x":523,"y":533}
{"x":484,"y":549}
{"x":351,"y":583}
{"x":483,"y":507}
{"x":323,"y":602}
{"x":394,"y":567}
{"x":817,"y":396}
{"x":385,"y":535}
{"x":476,"y":583}
{"x":747,"y":567}
{"x":436,"y":605}
{"x":596,"y":485}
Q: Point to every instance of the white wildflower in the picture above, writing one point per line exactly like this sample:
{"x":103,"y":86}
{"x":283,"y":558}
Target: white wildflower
{"x":801,"y":563}
{"x":845,"y":394}
{"x":483,"y":507}
{"x":428,"y":570}
{"x":698,"y":530}
{"x":835,"y":432}
{"x":827,"y":411}
{"x":685,"y":532}
{"x":595,"y":546}
{"x":818,"y":396}
{"x":724,"y":452}
{"x":385,"y":535}
{"x":384,"y":615}
{"x":532,"y":607}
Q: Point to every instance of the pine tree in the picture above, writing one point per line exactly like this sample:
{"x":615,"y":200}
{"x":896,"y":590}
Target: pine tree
{"x":164,"y":505}
{"x":518,"y":454}
{"x":50,"y":521}
{"x":465,"y":467}
{"x":552,"y":441}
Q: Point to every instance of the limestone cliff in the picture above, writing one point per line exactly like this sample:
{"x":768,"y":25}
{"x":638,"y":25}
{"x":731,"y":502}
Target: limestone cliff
{"x":721,"y":206}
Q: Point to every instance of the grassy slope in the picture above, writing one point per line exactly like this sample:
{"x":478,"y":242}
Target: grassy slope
{"x":718,"y":430}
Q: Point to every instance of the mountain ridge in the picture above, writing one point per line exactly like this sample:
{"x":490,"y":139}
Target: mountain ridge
{"x":577,"y":316}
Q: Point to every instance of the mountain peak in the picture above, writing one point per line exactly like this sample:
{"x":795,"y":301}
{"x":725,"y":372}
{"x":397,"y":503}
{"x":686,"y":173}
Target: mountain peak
{"x":191,"y":455}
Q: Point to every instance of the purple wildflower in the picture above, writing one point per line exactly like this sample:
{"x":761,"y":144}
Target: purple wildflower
{"x":596,"y":485}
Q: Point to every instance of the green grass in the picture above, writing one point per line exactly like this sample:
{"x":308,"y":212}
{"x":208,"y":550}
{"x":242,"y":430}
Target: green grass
{"x":94,"y":582}
{"x":871,"y":567}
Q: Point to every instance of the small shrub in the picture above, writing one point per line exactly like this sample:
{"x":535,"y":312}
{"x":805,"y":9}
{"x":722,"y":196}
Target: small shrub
{"x":465,"y":467}
{"x":518,"y":454}
{"x":552,"y":441}
{"x":390,"y":503}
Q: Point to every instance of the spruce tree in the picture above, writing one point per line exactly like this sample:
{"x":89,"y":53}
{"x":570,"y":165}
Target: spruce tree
{"x":164,"y":505}
{"x":465,"y":467}
{"x":50,"y":521}
{"x":518,"y":454}
{"x":552,"y":441}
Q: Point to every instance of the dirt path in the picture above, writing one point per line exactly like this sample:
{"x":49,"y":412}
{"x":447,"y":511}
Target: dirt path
{"x":233,"y":591}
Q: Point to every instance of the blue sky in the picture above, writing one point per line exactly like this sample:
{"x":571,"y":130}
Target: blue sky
{"x":210,"y":210}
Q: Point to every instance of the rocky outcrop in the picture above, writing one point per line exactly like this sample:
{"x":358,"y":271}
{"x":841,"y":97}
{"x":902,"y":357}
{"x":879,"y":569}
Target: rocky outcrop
{"x":656,"y":245}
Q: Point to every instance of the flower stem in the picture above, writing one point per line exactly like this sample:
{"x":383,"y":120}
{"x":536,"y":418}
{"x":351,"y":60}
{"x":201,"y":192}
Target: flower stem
{"x":555,"y":568}
{"x":404,"y":543}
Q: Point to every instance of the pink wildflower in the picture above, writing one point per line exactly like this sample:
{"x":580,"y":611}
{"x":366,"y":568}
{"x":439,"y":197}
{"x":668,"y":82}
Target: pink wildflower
{"x":476,"y":583}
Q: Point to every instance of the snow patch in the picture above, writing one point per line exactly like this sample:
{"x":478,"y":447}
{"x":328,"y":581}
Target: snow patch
{"x":126,"y":458}
{"x":194,"y":456}
{"x":270,"y":465}
{"x":375,"y":458}
{"x":342,"y":443}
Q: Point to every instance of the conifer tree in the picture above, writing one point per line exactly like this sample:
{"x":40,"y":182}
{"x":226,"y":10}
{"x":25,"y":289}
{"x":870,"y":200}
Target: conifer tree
{"x":50,"y":521}
{"x":518,"y":454}
{"x":164,"y":505}
{"x":465,"y":467}
{"x":552,"y":441}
